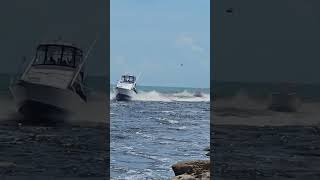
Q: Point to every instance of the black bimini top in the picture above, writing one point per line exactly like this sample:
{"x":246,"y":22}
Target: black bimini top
{"x":69,"y":45}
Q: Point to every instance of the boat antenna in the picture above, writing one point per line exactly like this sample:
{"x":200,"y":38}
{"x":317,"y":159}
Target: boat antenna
{"x":84,"y":60}
{"x":90,"y":48}
{"x":137,"y":78}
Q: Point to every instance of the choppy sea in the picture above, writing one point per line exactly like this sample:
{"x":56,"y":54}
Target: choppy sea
{"x":250,"y":141}
{"x":162,"y":125}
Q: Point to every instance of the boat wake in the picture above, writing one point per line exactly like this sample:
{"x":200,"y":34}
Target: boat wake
{"x":184,"y":96}
{"x":93,"y":113}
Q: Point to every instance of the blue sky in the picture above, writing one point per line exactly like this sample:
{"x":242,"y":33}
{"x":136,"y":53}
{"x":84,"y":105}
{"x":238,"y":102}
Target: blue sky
{"x":155,"y":37}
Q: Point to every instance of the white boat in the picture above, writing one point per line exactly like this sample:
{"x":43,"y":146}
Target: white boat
{"x":286,"y":99}
{"x":125,"y":89}
{"x":198,"y":94}
{"x":284,"y":102}
{"x":52,"y":85}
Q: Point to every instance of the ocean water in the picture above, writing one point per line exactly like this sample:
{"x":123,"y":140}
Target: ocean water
{"x":249,"y":141}
{"x":308,"y":92}
{"x":158,"y":128}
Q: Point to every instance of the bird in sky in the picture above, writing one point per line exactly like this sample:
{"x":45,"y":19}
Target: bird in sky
{"x":229,"y":11}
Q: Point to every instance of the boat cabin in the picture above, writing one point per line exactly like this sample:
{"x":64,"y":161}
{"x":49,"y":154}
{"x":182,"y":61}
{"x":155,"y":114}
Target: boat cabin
{"x":128,"y":79}
{"x":54,"y":65}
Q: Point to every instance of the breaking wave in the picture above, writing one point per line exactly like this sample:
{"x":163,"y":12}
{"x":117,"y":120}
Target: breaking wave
{"x":244,"y":109}
{"x":154,"y":95}
{"x":7,"y":107}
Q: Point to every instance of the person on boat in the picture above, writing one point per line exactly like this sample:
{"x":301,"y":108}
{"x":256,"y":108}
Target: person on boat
{"x":69,"y":62}
{"x":131,"y":78}
{"x":64,"y":61}
{"x":52,"y":61}
{"x":59,"y":61}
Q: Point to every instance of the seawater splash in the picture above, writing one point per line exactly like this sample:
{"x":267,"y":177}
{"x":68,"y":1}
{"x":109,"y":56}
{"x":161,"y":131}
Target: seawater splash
{"x":92,"y":114}
{"x":246,"y":109}
{"x":154,"y":95}
{"x":7,"y":107}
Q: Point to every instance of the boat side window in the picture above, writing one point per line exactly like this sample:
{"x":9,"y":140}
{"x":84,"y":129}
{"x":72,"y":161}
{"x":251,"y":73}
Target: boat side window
{"x":67,"y":58}
{"x":40,"y":56}
{"x":77,"y":57}
{"x":131,"y":79}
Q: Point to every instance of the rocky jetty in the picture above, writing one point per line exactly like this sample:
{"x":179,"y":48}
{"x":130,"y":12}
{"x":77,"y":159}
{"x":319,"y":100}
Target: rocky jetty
{"x":193,"y":169}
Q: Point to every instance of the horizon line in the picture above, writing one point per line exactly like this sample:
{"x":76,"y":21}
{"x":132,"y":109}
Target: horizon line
{"x":166,"y":86}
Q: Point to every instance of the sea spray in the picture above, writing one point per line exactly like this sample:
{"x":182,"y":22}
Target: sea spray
{"x":8,"y":108}
{"x":93,"y":113}
{"x":154,"y":95}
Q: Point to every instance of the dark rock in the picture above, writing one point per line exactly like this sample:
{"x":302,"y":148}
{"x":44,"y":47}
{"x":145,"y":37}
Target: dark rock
{"x":193,"y":169}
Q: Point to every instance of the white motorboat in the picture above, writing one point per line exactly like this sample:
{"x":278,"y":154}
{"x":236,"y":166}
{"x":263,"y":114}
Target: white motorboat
{"x":198,"y":94}
{"x":285,"y":102}
{"x":52,"y":85}
{"x":125,"y":89}
{"x":286,"y":99}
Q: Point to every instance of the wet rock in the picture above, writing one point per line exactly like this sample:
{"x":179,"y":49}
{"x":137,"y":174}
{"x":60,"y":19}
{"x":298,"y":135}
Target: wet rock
{"x":193,"y":169}
{"x":183,"y":177}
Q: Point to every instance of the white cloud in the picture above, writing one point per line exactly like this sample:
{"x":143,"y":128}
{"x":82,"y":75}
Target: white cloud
{"x":184,"y":40}
{"x":118,"y":60}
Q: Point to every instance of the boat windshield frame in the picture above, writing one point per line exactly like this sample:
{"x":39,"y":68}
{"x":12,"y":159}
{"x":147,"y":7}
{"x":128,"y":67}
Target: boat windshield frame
{"x":127,"y":79}
{"x":65,"y":55}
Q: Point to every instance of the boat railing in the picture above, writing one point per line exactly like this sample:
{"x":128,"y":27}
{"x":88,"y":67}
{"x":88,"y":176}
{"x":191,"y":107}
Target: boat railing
{"x":75,"y":75}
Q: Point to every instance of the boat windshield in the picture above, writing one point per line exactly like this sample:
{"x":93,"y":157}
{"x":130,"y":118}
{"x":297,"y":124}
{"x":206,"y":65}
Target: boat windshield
{"x":128,"y":79}
{"x":58,"y":55}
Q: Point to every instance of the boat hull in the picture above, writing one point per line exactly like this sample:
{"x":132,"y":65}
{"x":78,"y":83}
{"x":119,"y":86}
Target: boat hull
{"x":35,"y":111}
{"x":45,"y":102}
{"x":123,"y":97}
{"x":124,"y":94}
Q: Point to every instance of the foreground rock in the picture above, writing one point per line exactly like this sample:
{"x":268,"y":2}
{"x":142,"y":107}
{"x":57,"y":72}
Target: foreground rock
{"x":189,"y":170}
